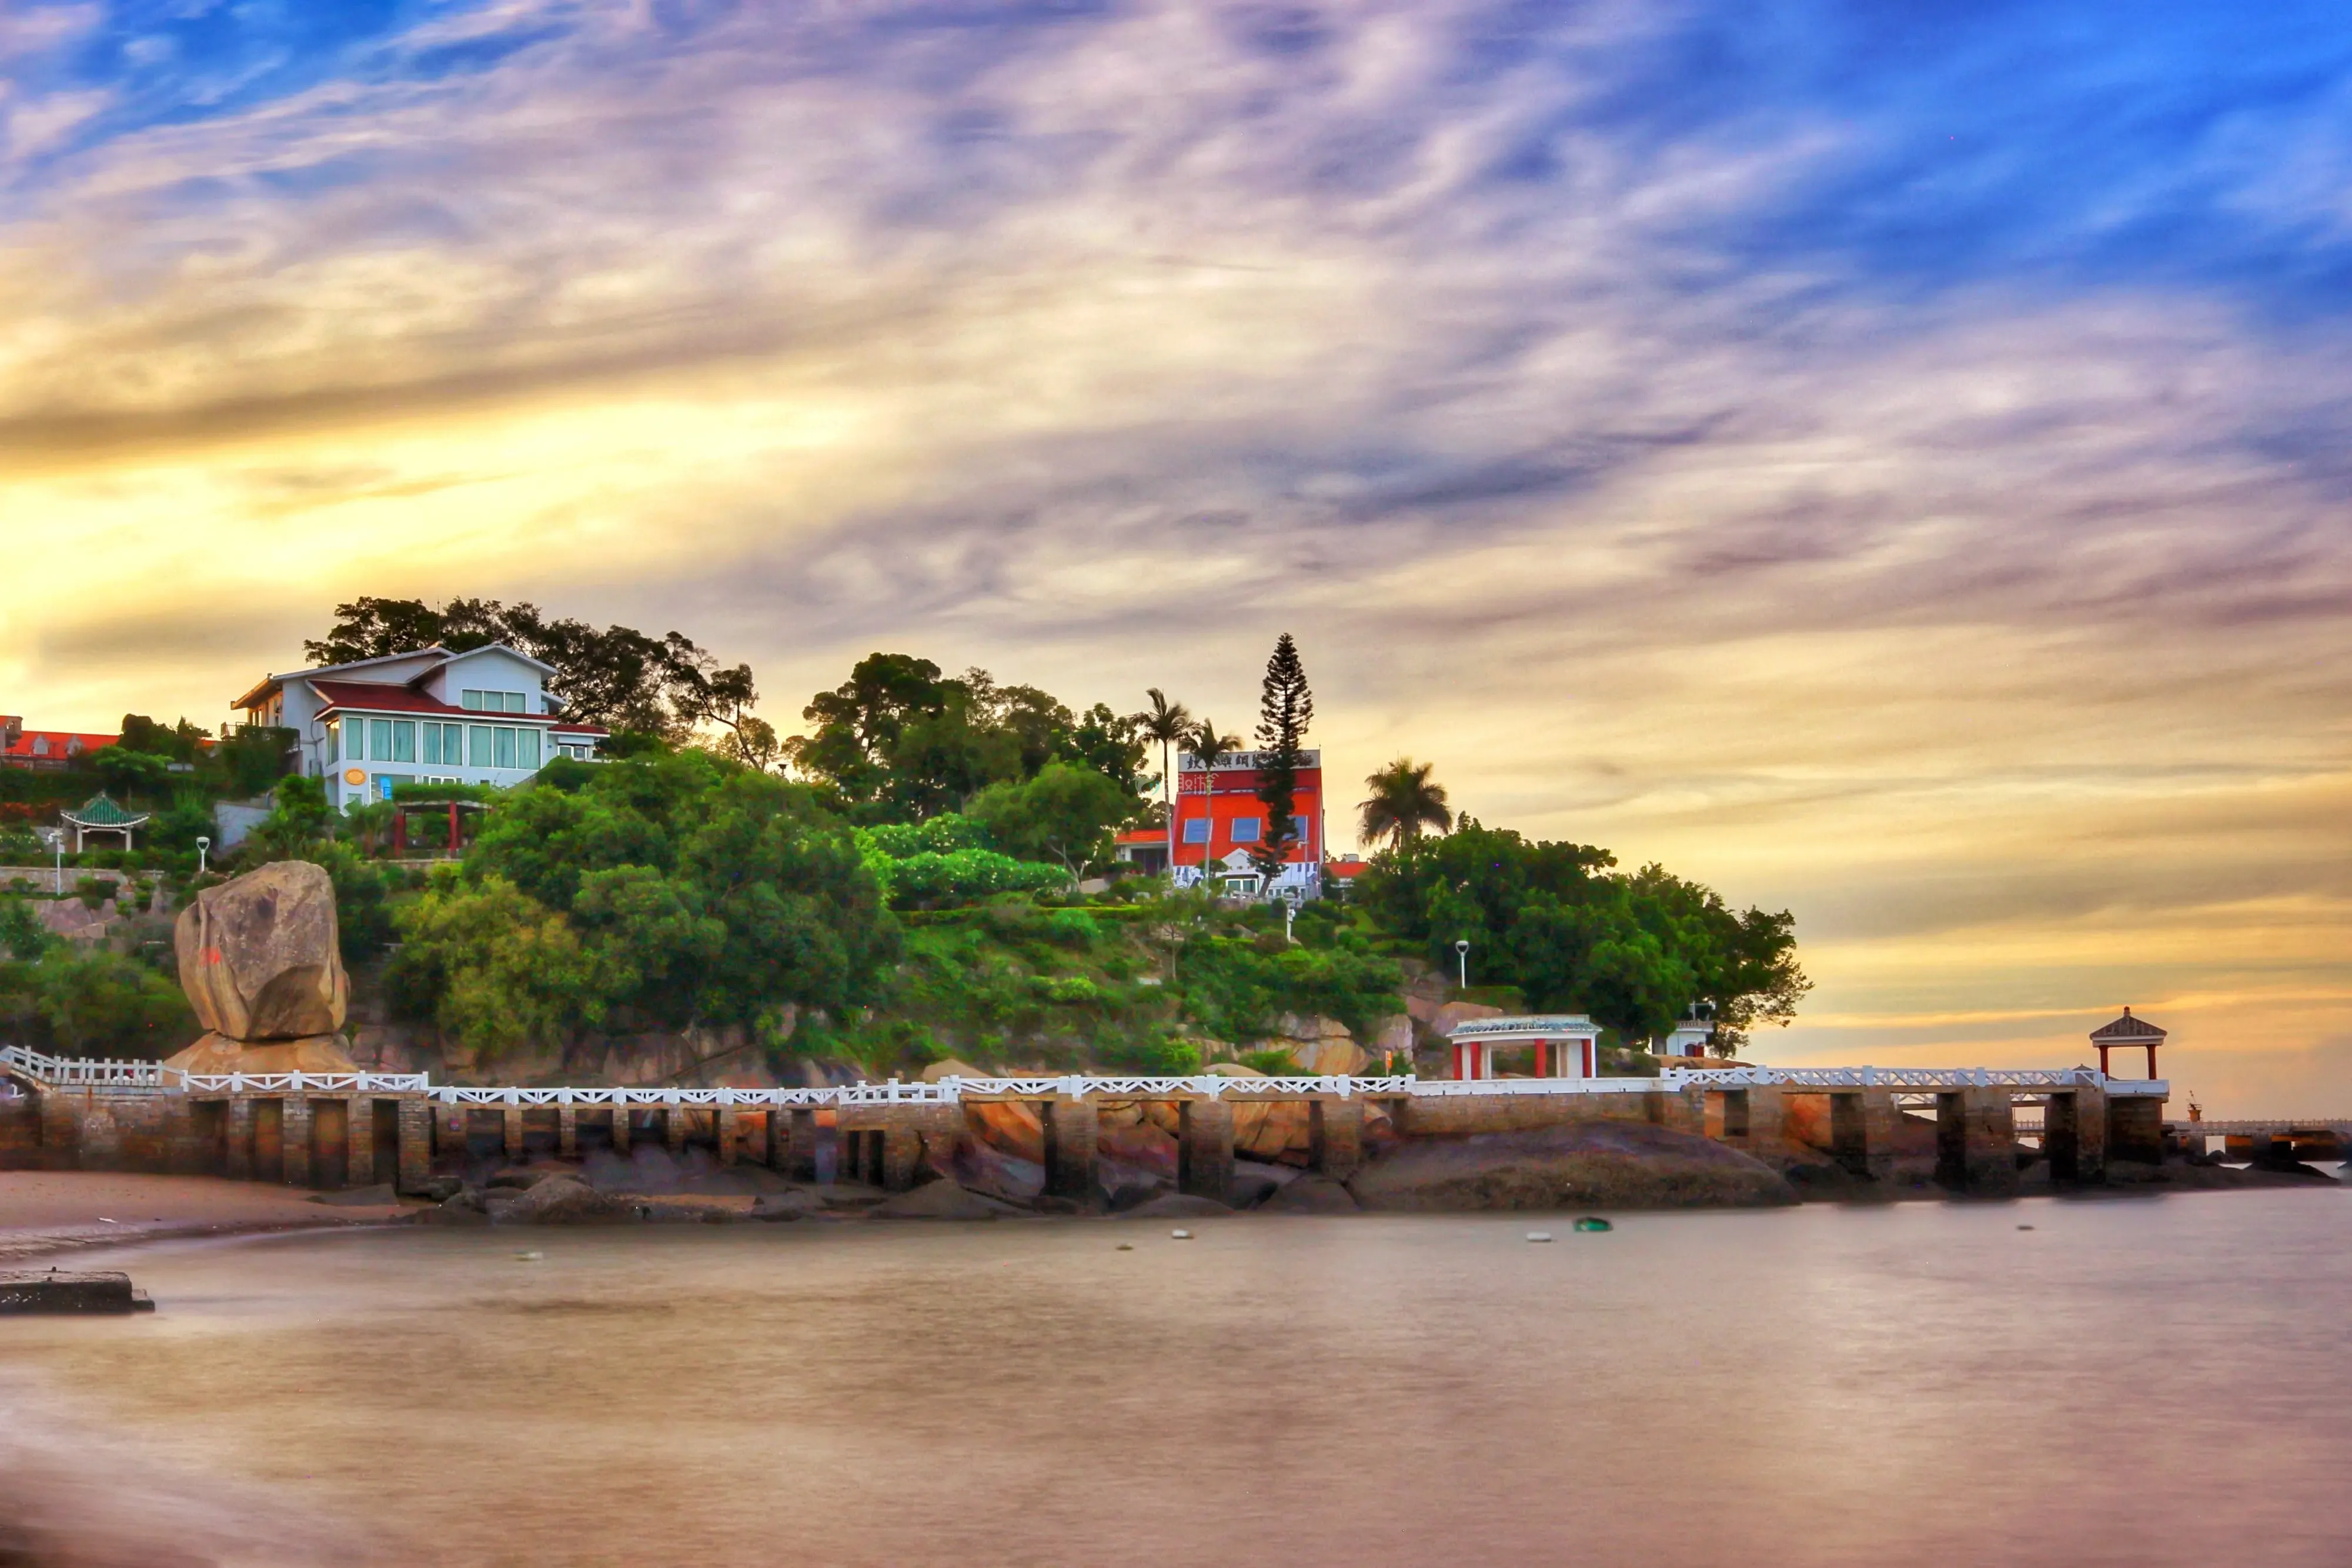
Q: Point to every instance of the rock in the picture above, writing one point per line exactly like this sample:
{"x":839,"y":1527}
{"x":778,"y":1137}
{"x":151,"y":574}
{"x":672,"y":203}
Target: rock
{"x":523,"y":1179}
{"x":941,"y":1201}
{"x":219,"y":1053}
{"x":796,"y":1203}
{"x":562,"y":1200}
{"x":1000,"y":1175}
{"x":949,"y":1067}
{"x":1132,"y":1195}
{"x":1446,"y":1017}
{"x":258,"y":955}
{"x":1141,"y":1148}
{"x":1007,"y":1126}
{"x":1331,"y":1056}
{"x":1250,"y":1191}
{"x":440,"y":1189}
{"x":1177,"y":1206}
{"x":850,"y":1195}
{"x":378,"y":1195}
{"x":465,"y":1208}
{"x":1597,"y":1164}
{"x":1312,"y":1194}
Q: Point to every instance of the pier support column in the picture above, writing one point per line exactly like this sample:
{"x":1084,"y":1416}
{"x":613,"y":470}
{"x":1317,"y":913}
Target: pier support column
{"x":1976,"y":1142}
{"x":1204,"y":1149}
{"x":510,"y":1127}
{"x":797,"y":1156}
{"x":1335,"y":1137}
{"x":2075,"y":1135}
{"x":60,"y":1130}
{"x":1072,"y":1126}
{"x":1862,"y":1131}
{"x":902,"y":1155}
{"x":450,"y":1123}
{"x":359,"y":1141}
{"x":621,"y":1131}
{"x":294,"y":1133}
{"x":728,"y":1124}
{"x":567,"y":1132}
{"x":2136,"y":1128}
{"x":415,"y":1145}
{"x":674,"y":1129}
{"x":237,"y":1155}
{"x":1764,"y":1117}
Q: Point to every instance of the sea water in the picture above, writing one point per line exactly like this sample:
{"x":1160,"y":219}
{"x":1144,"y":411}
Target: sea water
{"x":2163,"y":1380}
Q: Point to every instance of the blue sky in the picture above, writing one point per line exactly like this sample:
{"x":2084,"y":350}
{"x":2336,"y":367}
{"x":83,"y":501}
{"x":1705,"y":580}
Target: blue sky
{"x":1886,"y":459}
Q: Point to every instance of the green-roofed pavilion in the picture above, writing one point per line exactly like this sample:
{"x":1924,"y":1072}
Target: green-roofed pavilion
{"x":100,"y":814}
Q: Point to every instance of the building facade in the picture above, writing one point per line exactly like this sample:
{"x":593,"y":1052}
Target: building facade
{"x":22,"y":748}
{"x":483,"y":716}
{"x":1220,"y":821}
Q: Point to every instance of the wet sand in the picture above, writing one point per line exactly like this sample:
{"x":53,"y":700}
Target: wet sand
{"x":45,"y":1213}
{"x":2150,"y":1382}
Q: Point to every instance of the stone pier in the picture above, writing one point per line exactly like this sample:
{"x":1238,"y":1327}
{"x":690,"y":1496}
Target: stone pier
{"x":2136,"y":1129}
{"x":1335,"y":1137}
{"x":674,"y":1129}
{"x":567,"y":1132}
{"x":2075,"y":1135}
{"x":621,"y":1131}
{"x":294,"y":1141}
{"x":1072,"y":1128}
{"x":415,"y":1145}
{"x":359,"y":1141}
{"x":1976,"y":1139}
{"x":726,"y":1123}
{"x":510,"y":1133}
{"x":1204,"y":1149}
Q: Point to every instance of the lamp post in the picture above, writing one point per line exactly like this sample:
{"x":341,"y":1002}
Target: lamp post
{"x":204,"y":848}
{"x":1462,"y":955}
{"x":57,"y":837}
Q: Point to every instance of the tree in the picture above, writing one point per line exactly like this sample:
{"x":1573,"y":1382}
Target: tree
{"x":1065,"y":814}
{"x":1285,"y":708}
{"x":1404,"y":799}
{"x":1166,"y":721}
{"x":618,"y":676}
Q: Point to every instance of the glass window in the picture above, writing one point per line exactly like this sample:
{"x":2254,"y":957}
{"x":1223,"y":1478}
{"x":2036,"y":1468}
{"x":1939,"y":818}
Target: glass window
{"x":334,"y":741}
{"x":380,"y":739}
{"x":514,"y":702}
{"x":403,"y":740}
{"x":432,"y":741}
{"x":506,"y":747}
{"x":1299,"y":831}
{"x":1196,"y":832}
{"x":478,"y":746}
{"x":469,"y":698}
{"x":1246,"y":829}
{"x":527,"y":749}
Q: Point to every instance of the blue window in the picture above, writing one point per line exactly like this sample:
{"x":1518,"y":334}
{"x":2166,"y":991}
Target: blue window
{"x":478,"y":746}
{"x":1196,"y":832}
{"x":380,"y":739}
{"x":1298,"y":832}
{"x":1245,"y":829}
{"x":506,"y":747}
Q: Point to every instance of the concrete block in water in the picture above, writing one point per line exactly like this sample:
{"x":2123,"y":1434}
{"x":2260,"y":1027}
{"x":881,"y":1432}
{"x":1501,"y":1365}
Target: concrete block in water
{"x":55,"y":1291}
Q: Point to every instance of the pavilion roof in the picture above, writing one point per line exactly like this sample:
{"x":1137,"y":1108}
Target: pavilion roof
{"x":2127,"y":1027}
{"x":101,"y":811}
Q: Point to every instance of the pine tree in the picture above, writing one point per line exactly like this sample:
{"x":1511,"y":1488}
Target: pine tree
{"x":1285,"y":708}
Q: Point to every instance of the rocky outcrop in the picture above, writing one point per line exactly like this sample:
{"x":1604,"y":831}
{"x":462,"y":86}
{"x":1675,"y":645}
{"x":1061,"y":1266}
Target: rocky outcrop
{"x":217,"y":1053}
{"x":941,"y":1201}
{"x":258,"y":955}
{"x":1602,"y":1164}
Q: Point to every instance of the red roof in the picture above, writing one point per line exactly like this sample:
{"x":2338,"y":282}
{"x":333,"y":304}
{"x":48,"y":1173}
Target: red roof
{"x":565,"y":727}
{"x":1345,"y":870}
{"x":381,"y":697}
{"x":1144,"y":836}
{"x":56,"y":744}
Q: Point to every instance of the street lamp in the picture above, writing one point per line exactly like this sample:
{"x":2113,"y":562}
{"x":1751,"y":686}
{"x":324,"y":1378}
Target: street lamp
{"x":57,"y":837}
{"x":204,"y":846}
{"x":1462,"y":953}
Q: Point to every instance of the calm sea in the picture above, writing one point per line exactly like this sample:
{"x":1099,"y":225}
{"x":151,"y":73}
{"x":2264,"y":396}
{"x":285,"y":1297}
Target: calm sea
{"x":2146,"y":1381}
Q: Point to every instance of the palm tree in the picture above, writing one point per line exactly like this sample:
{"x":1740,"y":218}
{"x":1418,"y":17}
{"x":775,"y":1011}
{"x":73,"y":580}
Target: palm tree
{"x":1167,"y":723}
{"x":1207,"y":744}
{"x":1404,"y":800}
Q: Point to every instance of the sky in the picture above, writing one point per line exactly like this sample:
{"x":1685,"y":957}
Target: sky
{"x":1892,"y":462}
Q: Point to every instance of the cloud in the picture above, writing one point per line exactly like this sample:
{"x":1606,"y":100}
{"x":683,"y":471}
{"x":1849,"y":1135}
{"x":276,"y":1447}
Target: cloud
{"x":1893,"y":471}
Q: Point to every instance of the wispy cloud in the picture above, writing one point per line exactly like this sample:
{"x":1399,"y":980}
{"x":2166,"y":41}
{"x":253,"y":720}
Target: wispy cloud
{"x":1888,"y":460}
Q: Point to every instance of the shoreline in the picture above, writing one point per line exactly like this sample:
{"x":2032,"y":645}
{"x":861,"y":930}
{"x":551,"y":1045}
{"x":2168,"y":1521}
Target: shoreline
{"x":207,"y":1212}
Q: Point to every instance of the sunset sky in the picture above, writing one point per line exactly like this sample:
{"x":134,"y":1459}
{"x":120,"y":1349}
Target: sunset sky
{"x":1890,"y":461}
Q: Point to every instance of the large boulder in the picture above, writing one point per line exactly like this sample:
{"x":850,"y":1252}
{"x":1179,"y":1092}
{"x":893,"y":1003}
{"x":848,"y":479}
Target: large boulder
{"x":564,"y":1200}
{"x":1582,"y":1165}
{"x":941,"y":1201}
{"x":219,"y":1053}
{"x":1331,"y":1056}
{"x":1009,"y":1127}
{"x":258,"y":955}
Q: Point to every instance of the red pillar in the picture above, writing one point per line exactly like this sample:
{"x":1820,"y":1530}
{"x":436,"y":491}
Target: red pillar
{"x":453,"y":827}
{"x":2103,"y":1061}
{"x":1588,"y":1071}
{"x":2151,"y":1063}
{"x":399,"y":832}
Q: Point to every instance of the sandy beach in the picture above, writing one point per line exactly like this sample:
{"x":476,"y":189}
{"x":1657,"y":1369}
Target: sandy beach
{"x":47,"y":1212}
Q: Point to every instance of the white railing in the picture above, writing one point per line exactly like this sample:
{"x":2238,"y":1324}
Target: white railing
{"x":80,"y":1073}
{"x":1529,"y":1026}
{"x":305,"y":1082}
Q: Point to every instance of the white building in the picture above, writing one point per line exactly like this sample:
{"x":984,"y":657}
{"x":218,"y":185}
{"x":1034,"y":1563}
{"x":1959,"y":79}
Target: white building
{"x":485,"y":716}
{"x":1564,"y":1044}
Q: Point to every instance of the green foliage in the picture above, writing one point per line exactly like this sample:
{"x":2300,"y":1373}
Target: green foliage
{"x":1633,"y":951}
{"x":250,"y":760}
{"x":1286,"y":708}
{"x":21,"y":845}
{"x":181,"y":742}
{"x":93,"y":890}
{"x":178,"y":825}
{"x":662,"y":893}
{"x":129,"y":773}
{"x":1234,"y":988}
{"x":945,"y":860}
{"x":1065,"y":813}
{"x":1274,"y":1062}
{"x":898,"y":742}
{"x":57,"y":998}
{"x":618,"y":676}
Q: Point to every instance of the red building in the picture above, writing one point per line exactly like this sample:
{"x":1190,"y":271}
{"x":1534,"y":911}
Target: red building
{"x":22,"y":748}
{"x":1220,"y":819}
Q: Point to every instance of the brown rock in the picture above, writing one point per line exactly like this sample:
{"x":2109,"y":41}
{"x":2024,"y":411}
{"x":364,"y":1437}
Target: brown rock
{"x":949,"y":1067}
{"x":1443,"y":1019}
{"x":1008,"y":1126}
{"x":941,"y":1201}
{"x":215,"y":1053}
{"x":1597,"y":1164}
{"x":258,"y":957}
{"x":1333,"y":1055}
{"x":564,"y":1200}
{"x":1312,"y":1194}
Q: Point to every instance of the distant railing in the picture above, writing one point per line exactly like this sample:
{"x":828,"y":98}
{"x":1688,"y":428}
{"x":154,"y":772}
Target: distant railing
{"x":80,"y":1073}
{"x":67,"y":1072}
